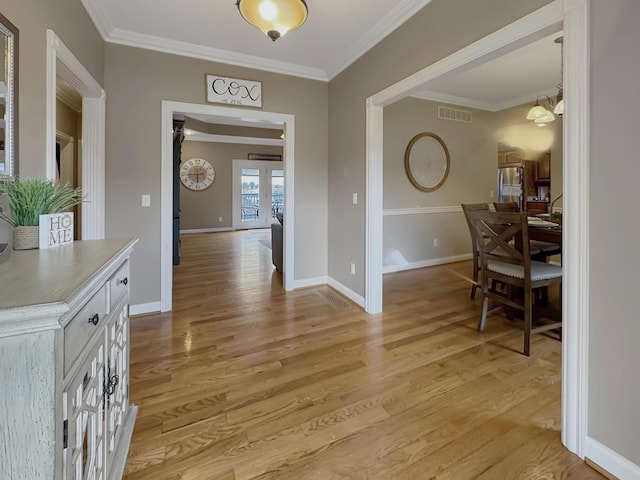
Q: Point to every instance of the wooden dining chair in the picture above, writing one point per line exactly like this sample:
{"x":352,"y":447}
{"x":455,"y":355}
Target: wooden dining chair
{"x":505,"y":258}
{"x":539,"y":250}
{"x":466,"y":208}
{"x":506,"y":206}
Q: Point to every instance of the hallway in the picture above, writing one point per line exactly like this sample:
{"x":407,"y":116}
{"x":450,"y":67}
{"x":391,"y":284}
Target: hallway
{"x":242,"y":381}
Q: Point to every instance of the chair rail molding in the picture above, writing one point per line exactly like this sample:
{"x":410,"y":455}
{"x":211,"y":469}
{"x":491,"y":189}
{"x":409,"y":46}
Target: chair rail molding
{"x":572,"y":16}
{"x":421,"y":210}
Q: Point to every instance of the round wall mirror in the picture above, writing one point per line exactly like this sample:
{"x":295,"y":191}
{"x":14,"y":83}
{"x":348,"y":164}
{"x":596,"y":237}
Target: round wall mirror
{"x":426,"y":161}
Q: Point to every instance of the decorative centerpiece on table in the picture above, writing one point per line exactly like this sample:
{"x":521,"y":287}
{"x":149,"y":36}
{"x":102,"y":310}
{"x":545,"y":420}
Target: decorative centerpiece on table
{"x":28,"y":199}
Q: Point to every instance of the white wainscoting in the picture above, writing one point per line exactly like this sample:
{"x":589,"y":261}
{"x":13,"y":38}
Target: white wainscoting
{"x":426,"y":263}
{"x":431,"y":261}
{"x":421,"y":210}
{"x":205,"y":230}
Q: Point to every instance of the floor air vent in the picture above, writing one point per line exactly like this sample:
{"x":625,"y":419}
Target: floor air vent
{"x":447,"y":113}
{"x":337,"y":302}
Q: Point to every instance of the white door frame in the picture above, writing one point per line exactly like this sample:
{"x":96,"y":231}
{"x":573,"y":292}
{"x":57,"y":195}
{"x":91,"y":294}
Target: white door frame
{"x":573,"y":17}
{"x":62,"y":63}
{"x":236,"y":189}
{"x":169,"y":108}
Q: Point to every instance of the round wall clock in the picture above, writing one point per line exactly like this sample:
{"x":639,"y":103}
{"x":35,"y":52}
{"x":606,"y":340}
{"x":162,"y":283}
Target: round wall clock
{"x":197,"y":174}
{"x":426,"y":161}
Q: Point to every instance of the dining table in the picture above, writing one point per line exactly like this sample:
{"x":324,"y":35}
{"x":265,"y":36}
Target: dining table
{"x":544,"y":230}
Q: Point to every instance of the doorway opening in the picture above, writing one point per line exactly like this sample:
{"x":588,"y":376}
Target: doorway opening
{"x":224,"y":115}
{"x":64,"y":67}
{"x":574,"y":21}
{"x":258,"y":193}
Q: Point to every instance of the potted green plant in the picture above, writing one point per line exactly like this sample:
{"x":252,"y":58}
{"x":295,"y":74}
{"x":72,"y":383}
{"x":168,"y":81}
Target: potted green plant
{"x":28,"y":199}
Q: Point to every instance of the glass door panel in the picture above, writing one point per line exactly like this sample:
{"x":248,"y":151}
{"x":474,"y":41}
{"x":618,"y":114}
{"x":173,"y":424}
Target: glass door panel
{"x":250,"y":203}
{"x":277,"y":192}
{"x":258,"y":193}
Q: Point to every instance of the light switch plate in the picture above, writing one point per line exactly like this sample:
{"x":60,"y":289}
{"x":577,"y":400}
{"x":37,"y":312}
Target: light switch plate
{"x":355,"y":198}
{"x":146,"y":200}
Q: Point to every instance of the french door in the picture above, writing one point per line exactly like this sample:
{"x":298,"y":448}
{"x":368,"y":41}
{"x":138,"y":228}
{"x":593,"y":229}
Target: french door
{"x":258,"y":193}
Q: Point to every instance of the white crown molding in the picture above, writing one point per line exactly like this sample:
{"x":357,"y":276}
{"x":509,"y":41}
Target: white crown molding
{"x":174,"y":47}
{"x":432,"y":96}
{"x":404,"y":10}
{"x":72,"y":101}
{"x":99,"y":16}
{"x":478,"y":105}
{"x":214,"y":138}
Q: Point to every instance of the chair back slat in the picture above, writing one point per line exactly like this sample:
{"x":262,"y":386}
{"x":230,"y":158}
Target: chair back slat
{"x":504,"y":237}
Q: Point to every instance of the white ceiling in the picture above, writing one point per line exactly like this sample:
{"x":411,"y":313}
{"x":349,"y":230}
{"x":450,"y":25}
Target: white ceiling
{"x":336,"y":33}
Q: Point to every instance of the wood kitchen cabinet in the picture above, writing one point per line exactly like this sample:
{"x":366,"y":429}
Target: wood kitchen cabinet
{"x":535,"y":208}
{"x":543,"y":170}
{"x":510,"y":158}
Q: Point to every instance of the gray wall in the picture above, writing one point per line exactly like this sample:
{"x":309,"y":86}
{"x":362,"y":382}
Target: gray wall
{"x":137,"y":81}
{"x":201,"y":209}
{"x":614,"y":330}
{"x":472,"y":175}
{"x":439,"y":29}
{"x":473,"y":151}
{"x":69,"y":20}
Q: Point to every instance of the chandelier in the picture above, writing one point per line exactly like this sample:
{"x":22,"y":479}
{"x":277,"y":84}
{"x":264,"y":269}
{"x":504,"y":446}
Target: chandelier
{"x":273,"y":17}
{"x":545,"y":109}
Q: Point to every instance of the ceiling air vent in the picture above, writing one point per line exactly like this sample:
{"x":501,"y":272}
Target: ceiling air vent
{"x":447,"y":113}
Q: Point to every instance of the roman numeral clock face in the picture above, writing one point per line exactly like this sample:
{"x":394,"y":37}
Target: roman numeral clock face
{"x":197,"y":174}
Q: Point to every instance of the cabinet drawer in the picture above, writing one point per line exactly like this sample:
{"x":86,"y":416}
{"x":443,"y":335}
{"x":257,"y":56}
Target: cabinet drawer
{"x":79,"y":331}
{"x":118,"y":284}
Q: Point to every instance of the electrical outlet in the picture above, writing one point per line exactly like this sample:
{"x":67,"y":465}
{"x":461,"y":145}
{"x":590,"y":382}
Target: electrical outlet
{"x":353,"y":268}
{"x":491,"y":194}
{"x":146,"y":200}
{"x":435,"y":242}
{"x":219,"y":219}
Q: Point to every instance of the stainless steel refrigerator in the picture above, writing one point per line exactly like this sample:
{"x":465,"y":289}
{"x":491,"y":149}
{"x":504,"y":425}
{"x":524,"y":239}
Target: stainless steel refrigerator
{"x":510,"y":185}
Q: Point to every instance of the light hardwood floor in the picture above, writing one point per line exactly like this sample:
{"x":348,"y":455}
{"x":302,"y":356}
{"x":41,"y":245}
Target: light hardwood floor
{"x":242,"y":381}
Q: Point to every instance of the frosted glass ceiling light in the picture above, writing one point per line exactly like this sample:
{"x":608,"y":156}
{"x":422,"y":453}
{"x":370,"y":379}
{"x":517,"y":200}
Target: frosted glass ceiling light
{"x":273,"y":17}
{"x":543,"y":111}
{"x":539,"y":112}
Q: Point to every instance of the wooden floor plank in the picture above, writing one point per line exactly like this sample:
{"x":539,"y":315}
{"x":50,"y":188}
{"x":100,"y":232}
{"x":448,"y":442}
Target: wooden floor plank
{"x":243,"y":381}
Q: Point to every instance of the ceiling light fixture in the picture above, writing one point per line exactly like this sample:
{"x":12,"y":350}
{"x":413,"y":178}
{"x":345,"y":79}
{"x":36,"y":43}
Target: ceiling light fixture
{"x":545,"y":108}
{"x":273,"y":17}
{"x":559,"y":110}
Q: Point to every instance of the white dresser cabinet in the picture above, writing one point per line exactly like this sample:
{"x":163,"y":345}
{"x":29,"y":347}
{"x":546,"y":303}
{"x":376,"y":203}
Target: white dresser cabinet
{"x":64,"y":362}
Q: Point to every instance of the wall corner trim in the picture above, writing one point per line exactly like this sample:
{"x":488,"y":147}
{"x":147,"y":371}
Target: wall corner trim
{"x":610,"y":460}
{"x":346,"y":291}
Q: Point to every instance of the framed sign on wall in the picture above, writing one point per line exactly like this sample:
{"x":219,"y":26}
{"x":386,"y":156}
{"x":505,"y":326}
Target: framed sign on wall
{"x":233,"y":91}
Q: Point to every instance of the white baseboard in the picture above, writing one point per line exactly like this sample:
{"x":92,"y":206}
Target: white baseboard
{"x":309,"y":282}
{"x":205,"y":230}
{"x":611,"y":461}
{"x":144,"y":308}
{"x":346,"y":291}
{"x":426,"y":263}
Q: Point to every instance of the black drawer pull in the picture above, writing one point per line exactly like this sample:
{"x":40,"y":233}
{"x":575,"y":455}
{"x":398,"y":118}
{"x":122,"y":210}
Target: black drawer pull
{"x":95,"y":319}
{"x":124,"y":281}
